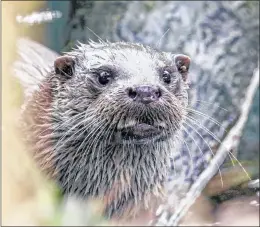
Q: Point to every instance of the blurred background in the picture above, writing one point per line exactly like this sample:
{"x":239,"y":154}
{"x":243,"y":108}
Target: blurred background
{"x":222,"y":39}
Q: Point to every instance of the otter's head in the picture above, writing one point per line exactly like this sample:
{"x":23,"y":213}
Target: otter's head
{"x":127,"y":92}
{"x":112,"y":111}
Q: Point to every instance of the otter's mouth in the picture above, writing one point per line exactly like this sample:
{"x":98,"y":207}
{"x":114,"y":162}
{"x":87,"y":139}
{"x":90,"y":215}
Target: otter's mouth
{"x":142,"y":133}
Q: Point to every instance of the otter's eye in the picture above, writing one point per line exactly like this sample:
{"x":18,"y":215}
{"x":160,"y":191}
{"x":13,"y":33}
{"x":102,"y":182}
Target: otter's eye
{"x":104,"y":78}
{"x":166,"y":77}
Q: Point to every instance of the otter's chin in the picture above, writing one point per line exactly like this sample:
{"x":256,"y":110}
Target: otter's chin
{"x":142,"y":133}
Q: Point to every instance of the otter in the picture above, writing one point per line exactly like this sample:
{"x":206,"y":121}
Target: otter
{"x":104,"y":120}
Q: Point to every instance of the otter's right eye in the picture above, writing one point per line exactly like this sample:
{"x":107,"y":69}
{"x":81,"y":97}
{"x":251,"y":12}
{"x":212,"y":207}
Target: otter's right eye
{"x":104,"y":78}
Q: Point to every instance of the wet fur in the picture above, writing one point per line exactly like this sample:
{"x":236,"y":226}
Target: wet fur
{"x":72,"y":124}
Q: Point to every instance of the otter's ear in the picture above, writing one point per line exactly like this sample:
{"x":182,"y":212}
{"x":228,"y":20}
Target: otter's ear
{"x":64,"y":66}
{"x":183,"y":63}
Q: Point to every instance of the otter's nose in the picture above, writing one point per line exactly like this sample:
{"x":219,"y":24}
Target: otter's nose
{"x":144,"y":94}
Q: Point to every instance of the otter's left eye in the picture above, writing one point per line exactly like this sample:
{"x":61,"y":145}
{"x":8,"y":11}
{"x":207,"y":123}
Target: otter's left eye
{"x":104,"y":77}
{"x":166,"y":77}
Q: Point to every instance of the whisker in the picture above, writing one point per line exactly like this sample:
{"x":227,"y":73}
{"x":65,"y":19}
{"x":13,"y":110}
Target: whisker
{"x":209,"y":149}
{"x":239,"y":163}
{"x":207,"y":116}
{"x":73,"y":127}
{"x":211,"y":103}
{"x":49,"y":125}
{"x":192,"y":164}
{"x":209,"y":132}
{"x":218,"y":140}
{"x":95,"y":34}
{"x":182,"y":141}
{"x":159,"y":42}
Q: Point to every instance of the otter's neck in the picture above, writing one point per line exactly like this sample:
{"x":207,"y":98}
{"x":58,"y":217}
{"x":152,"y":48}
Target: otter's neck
{"x":122,"y":175}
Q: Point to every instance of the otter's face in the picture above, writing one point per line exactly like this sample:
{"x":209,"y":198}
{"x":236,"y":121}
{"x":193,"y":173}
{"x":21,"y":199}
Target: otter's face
{"x":135,"y":93}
